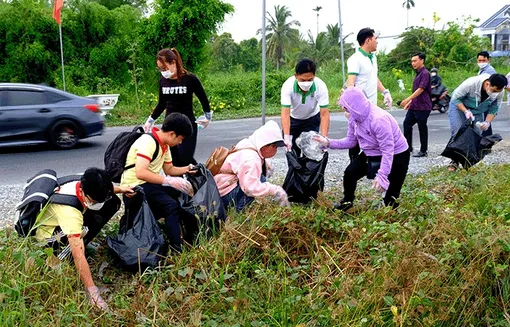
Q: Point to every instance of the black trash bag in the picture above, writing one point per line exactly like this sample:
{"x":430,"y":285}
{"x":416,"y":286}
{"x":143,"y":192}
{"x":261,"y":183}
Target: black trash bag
{"x":140,"y":242}
{"x":467,"y":147}
{"x":205,"y":210}
{"x":305,"y":177}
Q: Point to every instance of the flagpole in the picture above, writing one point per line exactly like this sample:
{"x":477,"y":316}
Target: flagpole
{"x":62,"y":55}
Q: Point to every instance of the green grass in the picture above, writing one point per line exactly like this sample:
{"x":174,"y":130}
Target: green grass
{"x":441,"y":260}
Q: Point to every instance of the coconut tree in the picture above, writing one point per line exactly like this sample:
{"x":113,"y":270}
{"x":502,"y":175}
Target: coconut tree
{"x":281,"y":32}
{"x":408,"y":4}
{"x":317,"y":9}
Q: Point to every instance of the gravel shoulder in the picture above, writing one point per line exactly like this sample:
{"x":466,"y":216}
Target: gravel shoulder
{"x":338,"y":161}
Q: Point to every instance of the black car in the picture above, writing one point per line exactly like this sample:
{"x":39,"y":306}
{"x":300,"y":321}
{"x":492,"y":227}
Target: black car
{"x":31,"y":114}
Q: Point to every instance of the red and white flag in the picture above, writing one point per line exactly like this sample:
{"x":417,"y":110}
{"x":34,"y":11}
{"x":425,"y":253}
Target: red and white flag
{"x":57,"y":7}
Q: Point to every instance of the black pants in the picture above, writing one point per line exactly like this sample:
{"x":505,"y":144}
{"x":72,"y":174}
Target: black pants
{"x":354,"y":152}
{"x":359,"y":168}
{"x":298,"y":126}
{"x":183,"y":154}
{"x":163,"y":203}
{"x":420,"y":117}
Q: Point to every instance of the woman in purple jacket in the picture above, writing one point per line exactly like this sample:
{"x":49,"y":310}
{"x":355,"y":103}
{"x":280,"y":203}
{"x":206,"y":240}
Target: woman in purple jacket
{"x":385,"y":153}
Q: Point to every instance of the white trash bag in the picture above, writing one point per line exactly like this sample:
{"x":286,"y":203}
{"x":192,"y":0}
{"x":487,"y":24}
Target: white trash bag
{"x":309,"y":147}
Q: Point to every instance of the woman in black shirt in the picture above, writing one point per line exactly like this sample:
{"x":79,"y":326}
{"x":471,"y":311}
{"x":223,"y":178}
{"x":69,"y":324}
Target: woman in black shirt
{"x":176,"y":88}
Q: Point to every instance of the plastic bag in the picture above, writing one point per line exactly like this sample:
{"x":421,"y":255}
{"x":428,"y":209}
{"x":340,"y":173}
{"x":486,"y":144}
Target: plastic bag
{"x":310,"y":148}
{"x":305,"y":177}
{"x":205,"y":208}
{"x":140,"y":243}
{"x":467,"y":147}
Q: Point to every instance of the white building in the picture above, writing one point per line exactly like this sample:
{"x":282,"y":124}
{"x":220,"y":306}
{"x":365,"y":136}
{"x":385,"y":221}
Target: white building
{"x":497,"y":29}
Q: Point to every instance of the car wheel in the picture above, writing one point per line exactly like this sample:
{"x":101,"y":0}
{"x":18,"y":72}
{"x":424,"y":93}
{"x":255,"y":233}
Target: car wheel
{"x":64,"y":134}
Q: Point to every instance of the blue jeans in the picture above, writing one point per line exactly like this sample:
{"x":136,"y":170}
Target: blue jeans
{"x":237,"y":198}
{"x":457,"y":118}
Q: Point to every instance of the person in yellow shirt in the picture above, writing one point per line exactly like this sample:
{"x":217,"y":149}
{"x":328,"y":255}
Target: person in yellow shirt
{"x":161,"y":191}
{"x":62,"y":224}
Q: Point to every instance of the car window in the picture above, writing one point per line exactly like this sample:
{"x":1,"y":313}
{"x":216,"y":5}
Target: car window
{"x":52,"y":97}
{"x":25,"y":98}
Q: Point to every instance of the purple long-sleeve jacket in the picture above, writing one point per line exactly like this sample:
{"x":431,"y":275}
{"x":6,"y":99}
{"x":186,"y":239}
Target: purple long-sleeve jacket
{"x":375,"y":130}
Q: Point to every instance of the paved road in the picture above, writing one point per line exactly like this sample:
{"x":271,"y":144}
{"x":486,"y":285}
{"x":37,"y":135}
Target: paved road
{"x":18,"y":164}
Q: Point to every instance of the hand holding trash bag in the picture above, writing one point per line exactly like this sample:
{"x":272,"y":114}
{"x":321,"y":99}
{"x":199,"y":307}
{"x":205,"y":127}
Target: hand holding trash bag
{"x":178,"y":183}
{"x":323,"y":141}
{"x":469,"y":115}
{"x":310,"y":148}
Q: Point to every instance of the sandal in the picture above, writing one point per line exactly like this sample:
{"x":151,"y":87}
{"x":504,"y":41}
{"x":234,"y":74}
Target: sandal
{"x":453,"y":166}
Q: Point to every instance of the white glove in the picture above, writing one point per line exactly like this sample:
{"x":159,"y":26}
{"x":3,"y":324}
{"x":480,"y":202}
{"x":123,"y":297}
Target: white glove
{"x":148,"y":124}
{"x":378,"y":188}
{"x":282,"y":197}
{"x":484,"y":125}
{"x":95,"y":298}
{"x":323,"y":141}
{"x":205,"y":122}
{"x":469,"y":115}
{"x":178,"y":183}
{"x":388,"y":100}
{"x":287,"y":139}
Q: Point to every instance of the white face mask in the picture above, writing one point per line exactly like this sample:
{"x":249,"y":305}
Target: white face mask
{"x":305,"y":86}
{"x":482,"y":65}
{"x":96,"y":206}
{"x":167,"y":74}
{"x":433,"y":74}
{"x":493,"y":95}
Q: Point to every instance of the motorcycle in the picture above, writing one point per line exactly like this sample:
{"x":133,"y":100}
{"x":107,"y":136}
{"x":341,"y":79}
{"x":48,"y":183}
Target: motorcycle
{"x":440,"y":98}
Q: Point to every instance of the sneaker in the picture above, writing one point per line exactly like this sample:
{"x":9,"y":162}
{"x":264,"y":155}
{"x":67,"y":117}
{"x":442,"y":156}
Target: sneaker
{"x":420,"y":154}
{"x":344,"y":206}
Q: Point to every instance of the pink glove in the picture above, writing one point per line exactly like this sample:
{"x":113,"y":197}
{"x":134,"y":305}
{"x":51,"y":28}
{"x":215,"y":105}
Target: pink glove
{"x":96,"y":299}
{"x":388,"y":100}
{"x":287,"y":139}
{"x":178,"y":183}
{"x":282,"y":197}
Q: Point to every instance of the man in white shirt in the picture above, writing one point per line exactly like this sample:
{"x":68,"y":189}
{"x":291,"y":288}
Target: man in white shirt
{"x":305,"y":102}
{"x":362,"y":72}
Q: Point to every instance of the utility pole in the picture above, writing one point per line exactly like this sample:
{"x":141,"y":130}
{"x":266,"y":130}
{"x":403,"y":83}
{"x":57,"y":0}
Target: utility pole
{"x":263,"y":62}
{"x":341,"y":42}
{"x":317,"y":9}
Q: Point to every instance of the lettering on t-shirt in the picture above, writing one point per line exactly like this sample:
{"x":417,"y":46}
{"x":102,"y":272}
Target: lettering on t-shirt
{"x":175,"y":90}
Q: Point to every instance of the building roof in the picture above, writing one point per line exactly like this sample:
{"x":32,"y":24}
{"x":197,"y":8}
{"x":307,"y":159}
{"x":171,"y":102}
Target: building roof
{"x":494,"y":21}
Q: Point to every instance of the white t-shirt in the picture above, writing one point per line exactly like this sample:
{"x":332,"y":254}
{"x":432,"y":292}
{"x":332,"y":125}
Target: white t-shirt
{"x":364,"y":66}
{"x":304,"y":105}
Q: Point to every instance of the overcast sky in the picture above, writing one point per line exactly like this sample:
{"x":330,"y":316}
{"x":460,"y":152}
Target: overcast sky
{"x":386,"y":16}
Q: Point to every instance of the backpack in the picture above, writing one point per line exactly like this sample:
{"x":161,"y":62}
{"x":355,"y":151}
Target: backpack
{"x":38,"y":193}
{"x":117,"y":151}
{"x":218,"y":157}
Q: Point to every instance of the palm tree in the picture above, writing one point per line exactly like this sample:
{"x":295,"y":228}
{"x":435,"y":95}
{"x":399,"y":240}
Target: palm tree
{"x":281,"y":32}
{"x":408,"y":4}
{"x":317,"y":9}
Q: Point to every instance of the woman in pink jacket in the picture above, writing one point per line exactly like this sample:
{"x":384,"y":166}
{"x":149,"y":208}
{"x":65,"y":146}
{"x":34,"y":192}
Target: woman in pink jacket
{"x":241,"y":178}
{"x":385,"y":153}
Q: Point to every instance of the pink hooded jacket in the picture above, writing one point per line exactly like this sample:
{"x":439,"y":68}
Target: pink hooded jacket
{"x":375,"y":130}
{"x":245,"y":166}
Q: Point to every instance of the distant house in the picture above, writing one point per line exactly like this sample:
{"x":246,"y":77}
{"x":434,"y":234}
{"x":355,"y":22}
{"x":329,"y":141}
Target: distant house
{"x":497,"y":29}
